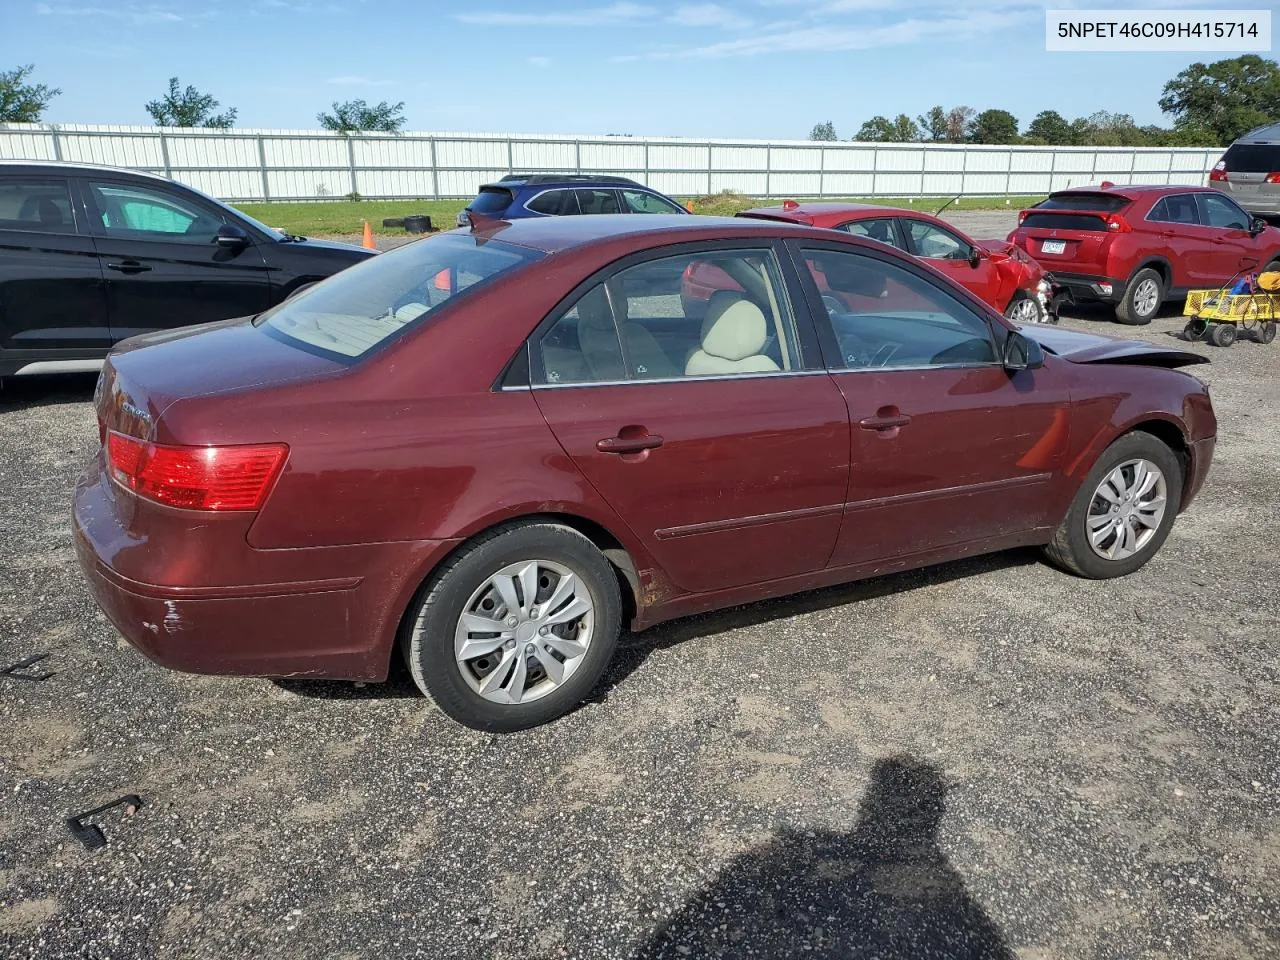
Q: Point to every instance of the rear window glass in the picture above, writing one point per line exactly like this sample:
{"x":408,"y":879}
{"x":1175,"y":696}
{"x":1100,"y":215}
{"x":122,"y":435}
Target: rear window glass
{"x":41,"y":206}
{"x":1252,"y":158}
{"x":1064,"y":221}
{"x":491,"y":200}
{"x":355,"y":310}
{"x":1102,"y":202}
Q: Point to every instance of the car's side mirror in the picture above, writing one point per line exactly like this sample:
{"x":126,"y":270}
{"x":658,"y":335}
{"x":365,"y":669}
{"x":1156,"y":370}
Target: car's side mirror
{"x":975,"y":257}
{"x":1257,"y":225}
{"x":1022,"y":353}
{"x":231,"y":237}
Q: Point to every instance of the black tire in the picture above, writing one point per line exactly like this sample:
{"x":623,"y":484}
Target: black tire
{"x":1266,"y":331}
{"x":427,"y":634}
{"x":1223,"y":334}
{"x":1128,"y":311}
{"x":1070,"y":548}
{"x":1018,"y":303}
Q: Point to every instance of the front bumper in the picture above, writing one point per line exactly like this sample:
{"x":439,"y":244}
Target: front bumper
{"x":1201,"y":458}
{"x":328,"y":612}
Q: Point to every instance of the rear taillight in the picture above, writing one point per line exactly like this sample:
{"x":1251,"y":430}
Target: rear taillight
{"x":1219,"y":172}
{"x":1022,"y":215}
{"x":1273,"y":177}
{"x":1117,"y":224}
{"x":195,"y":478}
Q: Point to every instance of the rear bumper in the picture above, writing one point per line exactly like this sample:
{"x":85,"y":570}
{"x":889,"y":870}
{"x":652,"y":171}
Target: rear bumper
{"x":1085,"y":286}
{"x":320,"y":612}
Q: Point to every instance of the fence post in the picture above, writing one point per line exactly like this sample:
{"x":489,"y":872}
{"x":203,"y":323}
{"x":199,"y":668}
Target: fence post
{"x":57,"y":144}
{"x":822,"y":171}
{"x":1053,"y":168}
{"x":435,"y":174}
{"x":577,"y":156}
{"x":1093,"y":171}
{"x":646,"y":163}
{"x":164,"y":154}
{"x":351,"y":161}
{"x":964,"y":170}
{"x":768,"y":170}
{"x":262,"y":168}
{"x":1008,"y":172}
{"x":709,"y":169}
{"x":1168,"y":177}
{"x":875,"y":165}
{"x":511,"y":163}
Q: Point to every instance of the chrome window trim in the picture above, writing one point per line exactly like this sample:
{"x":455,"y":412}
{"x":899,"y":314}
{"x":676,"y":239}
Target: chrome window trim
{"x":669,"y":380}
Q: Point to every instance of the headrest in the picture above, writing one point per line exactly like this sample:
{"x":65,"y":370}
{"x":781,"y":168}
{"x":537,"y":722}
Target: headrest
{"x":734,"y":327}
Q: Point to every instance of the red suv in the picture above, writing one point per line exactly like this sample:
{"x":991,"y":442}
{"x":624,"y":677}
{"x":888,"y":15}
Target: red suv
{"x":1139,"y":246}
{"x":995,"y":271}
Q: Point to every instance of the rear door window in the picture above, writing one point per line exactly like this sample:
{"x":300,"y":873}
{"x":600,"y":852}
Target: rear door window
{"x":491,"y":200}
{"x":598,"y":201}
{"x":36,"y":205}
{"x":555,"y":203}
{"x":352,"y":312}
{"x":1179,"y":208}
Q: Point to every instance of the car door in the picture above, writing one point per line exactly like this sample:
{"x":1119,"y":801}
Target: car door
{"x":156,"y":244}
{"x":719,"y":441}
{"x":952,"y":254}
{"x":1234,"y":247}
{"x":1174,"y":223}
{"x":947,"y":448}
{"x":52,"y":303}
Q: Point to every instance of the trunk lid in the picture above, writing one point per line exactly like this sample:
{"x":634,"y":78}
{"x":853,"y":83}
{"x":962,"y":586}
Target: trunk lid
{"x":144,"y":375}
{"x":1092,"y":348}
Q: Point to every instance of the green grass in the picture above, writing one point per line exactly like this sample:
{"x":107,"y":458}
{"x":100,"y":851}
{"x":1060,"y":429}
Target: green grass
{"x":329,"y":217}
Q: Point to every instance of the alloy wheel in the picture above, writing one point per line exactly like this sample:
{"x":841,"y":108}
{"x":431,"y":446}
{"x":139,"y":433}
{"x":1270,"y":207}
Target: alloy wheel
{"x":1126,"y":509}
{"x":524,"y":631}
{"x":1146,"y":298}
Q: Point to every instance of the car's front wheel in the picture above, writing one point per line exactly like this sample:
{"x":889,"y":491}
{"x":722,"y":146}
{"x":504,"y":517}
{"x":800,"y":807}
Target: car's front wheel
{"x":1025,"y":309}
{"x":515,"y":629}
{"x":1122,"y":512}
{"x":1142,"y":298}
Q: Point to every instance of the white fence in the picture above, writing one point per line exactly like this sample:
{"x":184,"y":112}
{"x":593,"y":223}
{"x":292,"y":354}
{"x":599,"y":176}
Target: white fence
{"x":314,"y":164}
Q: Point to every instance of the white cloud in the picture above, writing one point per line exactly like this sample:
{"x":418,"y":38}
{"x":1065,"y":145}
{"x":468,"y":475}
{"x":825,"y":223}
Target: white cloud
{"x":538,"y":61}
{"x":708,"y":15}
{"x":150,"y":13}
{"x":614,"y":13}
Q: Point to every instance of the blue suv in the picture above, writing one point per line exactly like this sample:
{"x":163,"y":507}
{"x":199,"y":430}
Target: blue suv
{"x":520,"y":195}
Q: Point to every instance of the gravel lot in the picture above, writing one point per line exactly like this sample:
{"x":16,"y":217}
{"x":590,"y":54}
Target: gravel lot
{"x":985,"y":759}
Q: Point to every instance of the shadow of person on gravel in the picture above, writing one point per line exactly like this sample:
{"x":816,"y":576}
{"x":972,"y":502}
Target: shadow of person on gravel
{"x":884,"y":890}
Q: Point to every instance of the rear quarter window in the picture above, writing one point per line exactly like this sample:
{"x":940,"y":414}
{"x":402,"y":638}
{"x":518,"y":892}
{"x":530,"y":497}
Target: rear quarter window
{"x":1252,"y":158}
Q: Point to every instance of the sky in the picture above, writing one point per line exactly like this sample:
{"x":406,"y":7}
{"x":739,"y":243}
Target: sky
{"x":767,"y":69}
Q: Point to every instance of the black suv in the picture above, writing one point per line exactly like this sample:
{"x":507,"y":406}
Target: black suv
{"x":520,"y":195}
{"x":92,"y":255}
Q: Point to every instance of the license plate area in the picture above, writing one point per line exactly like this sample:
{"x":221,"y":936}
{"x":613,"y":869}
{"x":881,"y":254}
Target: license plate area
{"x":1053,"y":246}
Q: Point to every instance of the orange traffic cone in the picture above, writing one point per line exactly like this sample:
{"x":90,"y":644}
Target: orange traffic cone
{"x":688,"y":205}
{"x":368,"y":237}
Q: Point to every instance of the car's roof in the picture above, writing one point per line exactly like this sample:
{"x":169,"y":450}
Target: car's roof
{"x":552,"y":234}
{"x":820,"y":213}
{"x":1265,"y":134}
{"x":68,"y":166}
{"x":516,"y":180}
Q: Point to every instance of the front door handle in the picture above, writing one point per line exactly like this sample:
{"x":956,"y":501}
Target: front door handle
{"x":627,"y":442}
{"x":886,"y":418}
{"x":129,"y":266}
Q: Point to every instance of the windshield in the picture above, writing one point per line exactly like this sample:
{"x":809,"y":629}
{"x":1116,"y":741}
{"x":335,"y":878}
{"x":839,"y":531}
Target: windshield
{"x":355,"y":310}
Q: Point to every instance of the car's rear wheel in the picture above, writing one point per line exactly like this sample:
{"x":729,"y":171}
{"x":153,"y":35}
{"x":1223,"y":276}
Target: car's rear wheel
{"x":1123,"y":510}
{"x":515,"y":629}
{"x":1024,"y":309}
{"x":1142,"y":298}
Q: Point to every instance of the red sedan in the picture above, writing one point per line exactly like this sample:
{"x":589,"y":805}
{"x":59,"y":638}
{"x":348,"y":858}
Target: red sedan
{"x":996,"y":272}
{"x":489,"y":451}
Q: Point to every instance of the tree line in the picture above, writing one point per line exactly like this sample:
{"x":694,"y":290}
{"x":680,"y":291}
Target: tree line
{"x":22,"y":101}
{"x":1211,"y":105}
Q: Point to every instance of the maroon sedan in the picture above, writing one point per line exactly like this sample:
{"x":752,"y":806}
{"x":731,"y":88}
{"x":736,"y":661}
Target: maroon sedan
{"x":489,"y":451}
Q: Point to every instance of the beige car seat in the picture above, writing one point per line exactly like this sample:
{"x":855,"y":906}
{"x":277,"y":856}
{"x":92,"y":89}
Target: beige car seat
{"x":734,"y":334}
{"x":599,"y":341}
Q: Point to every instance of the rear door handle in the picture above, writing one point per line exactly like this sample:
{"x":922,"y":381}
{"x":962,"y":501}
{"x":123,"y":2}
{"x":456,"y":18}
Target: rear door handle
{"x":884,"y":422}
{"x":629,"y":444}
{"x":129,"y":266}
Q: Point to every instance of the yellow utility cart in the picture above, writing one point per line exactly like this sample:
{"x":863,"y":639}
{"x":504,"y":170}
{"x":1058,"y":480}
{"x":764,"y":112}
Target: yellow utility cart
{"x":1244,"y":304}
